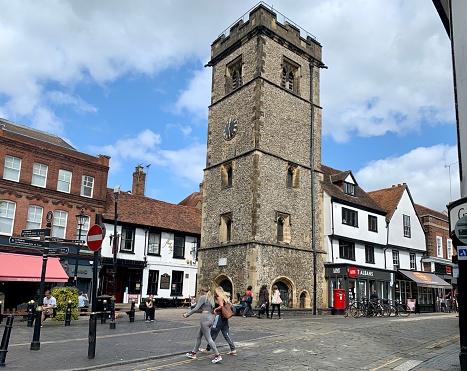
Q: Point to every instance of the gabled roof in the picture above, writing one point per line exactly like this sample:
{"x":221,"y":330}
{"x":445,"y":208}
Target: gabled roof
{"x":149,"y":212}
{"x":193,"y":200}
{"x":34,"y":134}
{"x":389,"y":198}
{"x":332,"y":181}
{"x":424,"y":211}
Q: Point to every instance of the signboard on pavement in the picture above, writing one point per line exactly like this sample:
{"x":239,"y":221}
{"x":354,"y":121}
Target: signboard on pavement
{"x":28,"y":243}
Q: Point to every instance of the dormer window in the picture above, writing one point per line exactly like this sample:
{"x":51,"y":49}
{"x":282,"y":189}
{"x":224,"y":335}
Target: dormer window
{"x":349,"y":189}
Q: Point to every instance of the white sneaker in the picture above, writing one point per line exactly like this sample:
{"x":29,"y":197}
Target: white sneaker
{"x":217,"y":359}
{"x":191,"y":355}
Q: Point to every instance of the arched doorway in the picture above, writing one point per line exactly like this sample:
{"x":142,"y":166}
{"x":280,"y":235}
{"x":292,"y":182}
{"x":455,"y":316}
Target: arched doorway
{"x":226,"y":284}
{"x":284,"y":290}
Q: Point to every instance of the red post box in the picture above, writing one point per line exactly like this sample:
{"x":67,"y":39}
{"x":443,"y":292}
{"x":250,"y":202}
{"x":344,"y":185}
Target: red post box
{"x":339,"y":301}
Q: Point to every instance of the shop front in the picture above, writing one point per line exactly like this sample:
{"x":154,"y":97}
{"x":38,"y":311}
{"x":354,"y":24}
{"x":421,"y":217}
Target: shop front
{"x":358,"y":282}
{"x":427,"y":289}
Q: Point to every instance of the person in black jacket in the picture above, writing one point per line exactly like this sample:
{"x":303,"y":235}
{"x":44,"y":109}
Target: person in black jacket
{"x":263,"y":301}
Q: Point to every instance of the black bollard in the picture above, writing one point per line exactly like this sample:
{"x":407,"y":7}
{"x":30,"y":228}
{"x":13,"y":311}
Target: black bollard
{"x":104,"y":311}
{"x":5,"y":339}
{"x":1,"y":313}
{"x":112,"y":324}
{"x":92,"y":335}
{"x":132,"y":311}
{"x":30,"y":313}
{"x":68,"y":314}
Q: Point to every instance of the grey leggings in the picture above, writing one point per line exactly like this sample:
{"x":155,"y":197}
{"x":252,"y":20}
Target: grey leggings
{"x":221,"y":324}
{"x":205,"y":330}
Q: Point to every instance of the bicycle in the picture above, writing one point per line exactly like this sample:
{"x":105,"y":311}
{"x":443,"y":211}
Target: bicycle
{"x":399,"y":309}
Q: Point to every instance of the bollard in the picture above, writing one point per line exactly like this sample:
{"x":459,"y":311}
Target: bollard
{"x":68,"y":314}
{"x":30,"y":313}
{"x":5,"y":339}
{"x":112,"y":313}
{"x":1,"y":313}
{"x":104,"y":311}
{"x":132,"y":311}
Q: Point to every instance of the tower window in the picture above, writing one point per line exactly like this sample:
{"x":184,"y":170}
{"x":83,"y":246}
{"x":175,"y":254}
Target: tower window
{"x":234,"y":76}
{"x":292,"y":176}
{"x":226,"y":227}
{"x":283,"y":227}
{"x":290,"y":73}
{"x":226,"y":175}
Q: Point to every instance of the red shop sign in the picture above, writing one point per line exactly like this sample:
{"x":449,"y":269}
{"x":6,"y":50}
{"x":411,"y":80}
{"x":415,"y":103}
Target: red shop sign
{"x":353,"y":272}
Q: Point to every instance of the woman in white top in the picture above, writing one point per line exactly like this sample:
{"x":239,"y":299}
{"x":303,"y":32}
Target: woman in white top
{"x":276,"y":301}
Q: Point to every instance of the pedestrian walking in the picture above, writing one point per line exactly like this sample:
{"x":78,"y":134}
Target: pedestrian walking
{"x":263,"y":301}
{"x":221,"y":323}
{"x":276,"y":301}
{"x":248,"y":301}
{"x":206,"y":305}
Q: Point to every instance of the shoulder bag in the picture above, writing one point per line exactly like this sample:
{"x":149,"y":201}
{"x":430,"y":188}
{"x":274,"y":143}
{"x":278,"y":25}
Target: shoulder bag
{"x":226,"y":310}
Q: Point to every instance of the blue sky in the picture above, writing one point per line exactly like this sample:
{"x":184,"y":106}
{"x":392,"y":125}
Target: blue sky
{"x":127,"y":79}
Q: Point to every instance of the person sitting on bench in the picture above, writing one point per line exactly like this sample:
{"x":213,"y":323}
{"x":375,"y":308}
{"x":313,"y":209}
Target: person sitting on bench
{"x":48,"y":305}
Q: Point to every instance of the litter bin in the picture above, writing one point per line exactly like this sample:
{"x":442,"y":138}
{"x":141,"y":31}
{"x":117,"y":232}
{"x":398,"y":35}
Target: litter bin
{"x":339,"y":301}
{"x":100,"y":304}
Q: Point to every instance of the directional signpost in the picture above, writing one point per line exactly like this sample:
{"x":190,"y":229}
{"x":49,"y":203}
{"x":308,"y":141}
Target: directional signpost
{"x":462,"y":253}
{"x":44,"y":232}
{"x":58,"y":250}
{"x":28,"y":243}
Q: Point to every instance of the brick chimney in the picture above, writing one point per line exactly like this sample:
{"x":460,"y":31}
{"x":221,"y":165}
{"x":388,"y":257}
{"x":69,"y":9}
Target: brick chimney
{"x":139,"y":181}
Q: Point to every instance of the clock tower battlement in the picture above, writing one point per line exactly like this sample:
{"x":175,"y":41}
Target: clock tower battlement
{"x":264,"y":127}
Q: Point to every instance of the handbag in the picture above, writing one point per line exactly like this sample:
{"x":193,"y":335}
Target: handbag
{"x":279,"y":300}
{"x":226,"y":310}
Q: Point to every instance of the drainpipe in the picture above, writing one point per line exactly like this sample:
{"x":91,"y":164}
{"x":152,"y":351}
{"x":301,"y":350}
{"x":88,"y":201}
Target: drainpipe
{"x":312,"y":170}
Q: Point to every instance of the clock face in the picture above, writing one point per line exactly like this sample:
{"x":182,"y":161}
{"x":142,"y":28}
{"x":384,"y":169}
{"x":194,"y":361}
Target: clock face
{"x":230,"y":128}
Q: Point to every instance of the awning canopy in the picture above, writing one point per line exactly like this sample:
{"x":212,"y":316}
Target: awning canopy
{"x":424,"y":279}
{"x":28,"y":268}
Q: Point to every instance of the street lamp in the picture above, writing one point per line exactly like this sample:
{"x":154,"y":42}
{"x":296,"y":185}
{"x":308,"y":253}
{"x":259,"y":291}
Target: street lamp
{"x":449,"y":167}
{"x":114,"y":269}
{"x":80,"y":219}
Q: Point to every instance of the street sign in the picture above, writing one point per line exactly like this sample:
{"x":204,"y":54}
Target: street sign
{"x":35,"y":232}
{"x":353,"y":272}
{"x":58,"y":250}
{"x":64,"y":240}
{"x":462,"y":253}
{"x":28,"y":243}
{"x":94,"y":237}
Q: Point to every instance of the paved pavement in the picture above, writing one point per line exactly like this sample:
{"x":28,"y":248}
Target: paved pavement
{"x":423,"y":342}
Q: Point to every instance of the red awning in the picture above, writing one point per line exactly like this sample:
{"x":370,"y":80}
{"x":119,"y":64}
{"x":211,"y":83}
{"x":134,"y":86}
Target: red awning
{"x":16,"y":267}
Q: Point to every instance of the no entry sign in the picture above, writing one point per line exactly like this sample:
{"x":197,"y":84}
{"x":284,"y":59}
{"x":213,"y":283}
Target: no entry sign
{"x":353,"y":272}
{"x":94,"y":237}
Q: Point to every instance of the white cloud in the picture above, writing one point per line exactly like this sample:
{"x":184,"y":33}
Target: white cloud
{"x":75,"y":102}
{"x":195,"y":99}
{"x":423,"y":169}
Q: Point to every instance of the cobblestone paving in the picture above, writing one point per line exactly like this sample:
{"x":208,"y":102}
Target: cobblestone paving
{"x":422,"y":342}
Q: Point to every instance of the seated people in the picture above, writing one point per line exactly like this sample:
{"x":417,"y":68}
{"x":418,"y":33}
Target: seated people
{"x":150,"y":309}
{"x":48,"y":305}
{"x":83,"y":301}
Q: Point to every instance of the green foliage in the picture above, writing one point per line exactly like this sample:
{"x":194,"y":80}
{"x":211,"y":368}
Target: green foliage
{"x":63,"y":295}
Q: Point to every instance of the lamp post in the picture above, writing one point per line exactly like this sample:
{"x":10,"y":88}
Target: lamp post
{"x":449,"y":167}
{"x":114,"y":268}
{"x":80,"y":219}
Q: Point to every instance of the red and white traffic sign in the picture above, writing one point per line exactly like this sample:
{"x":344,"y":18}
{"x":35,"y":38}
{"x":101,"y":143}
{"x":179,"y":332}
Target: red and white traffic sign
{"x":353,"y":272}
{"x":95,"y":237}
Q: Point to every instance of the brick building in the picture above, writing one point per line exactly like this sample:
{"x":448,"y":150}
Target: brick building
{"x":261,"y":202}
{"x":41,"y":173}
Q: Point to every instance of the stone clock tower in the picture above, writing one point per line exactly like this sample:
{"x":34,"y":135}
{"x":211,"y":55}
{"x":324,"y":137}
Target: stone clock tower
{"x":264,"y":137}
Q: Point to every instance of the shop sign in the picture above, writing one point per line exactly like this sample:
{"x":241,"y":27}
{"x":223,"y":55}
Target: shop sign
{"x":353,"y":272}
{"x":363,"y":272}
{"x":336,"y":270}
{"x":448,"y":269}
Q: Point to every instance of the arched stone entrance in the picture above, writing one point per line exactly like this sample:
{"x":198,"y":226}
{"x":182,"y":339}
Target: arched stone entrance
{"x":287,"y":289}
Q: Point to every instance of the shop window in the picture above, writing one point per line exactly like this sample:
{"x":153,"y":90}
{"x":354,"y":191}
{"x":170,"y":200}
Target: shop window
{"x":346,"y":250}
{"x":177,"y":283}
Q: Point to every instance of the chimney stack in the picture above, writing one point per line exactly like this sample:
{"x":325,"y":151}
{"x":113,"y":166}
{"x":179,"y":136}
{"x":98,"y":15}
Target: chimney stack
{"x":139,"y":181}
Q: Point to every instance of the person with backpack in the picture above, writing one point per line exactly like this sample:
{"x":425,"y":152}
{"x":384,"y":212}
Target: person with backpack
{"x":248,"y":301}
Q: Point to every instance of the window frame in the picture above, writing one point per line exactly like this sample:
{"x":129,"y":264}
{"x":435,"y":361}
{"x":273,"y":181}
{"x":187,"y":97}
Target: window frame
{"x":127,"y":243}
{"x":406,"y":225}
{"x":60,"y":222}
{"x":62,"y":173}
{"x":84,"y":229}
{"x":439,"y":246}
{"x":350,"y":217}
{"x":349,"y":189}
{"x":347,"y":250}
{"x":157,"y":243}
{"x":11,"y":167}
{"x":395,"y":260}
{"x":225,"y":228}
{"x":85,"y":186}
{"x":153,"y":282}
{"x":36,"y":174}
{"x":179,"y":249}
{"x":449,"y":248}
{"x":369,"y":254}
{"x":5,"y":205}
{"x":372,"y":223}
{"x":37,"y":222}
{"x":176,"y":287}
{"x":413,"y":261}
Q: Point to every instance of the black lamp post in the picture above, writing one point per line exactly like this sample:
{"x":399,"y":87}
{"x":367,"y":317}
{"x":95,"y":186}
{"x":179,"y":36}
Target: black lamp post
{"x":114,"y":268}
{"x":80,"y":219}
